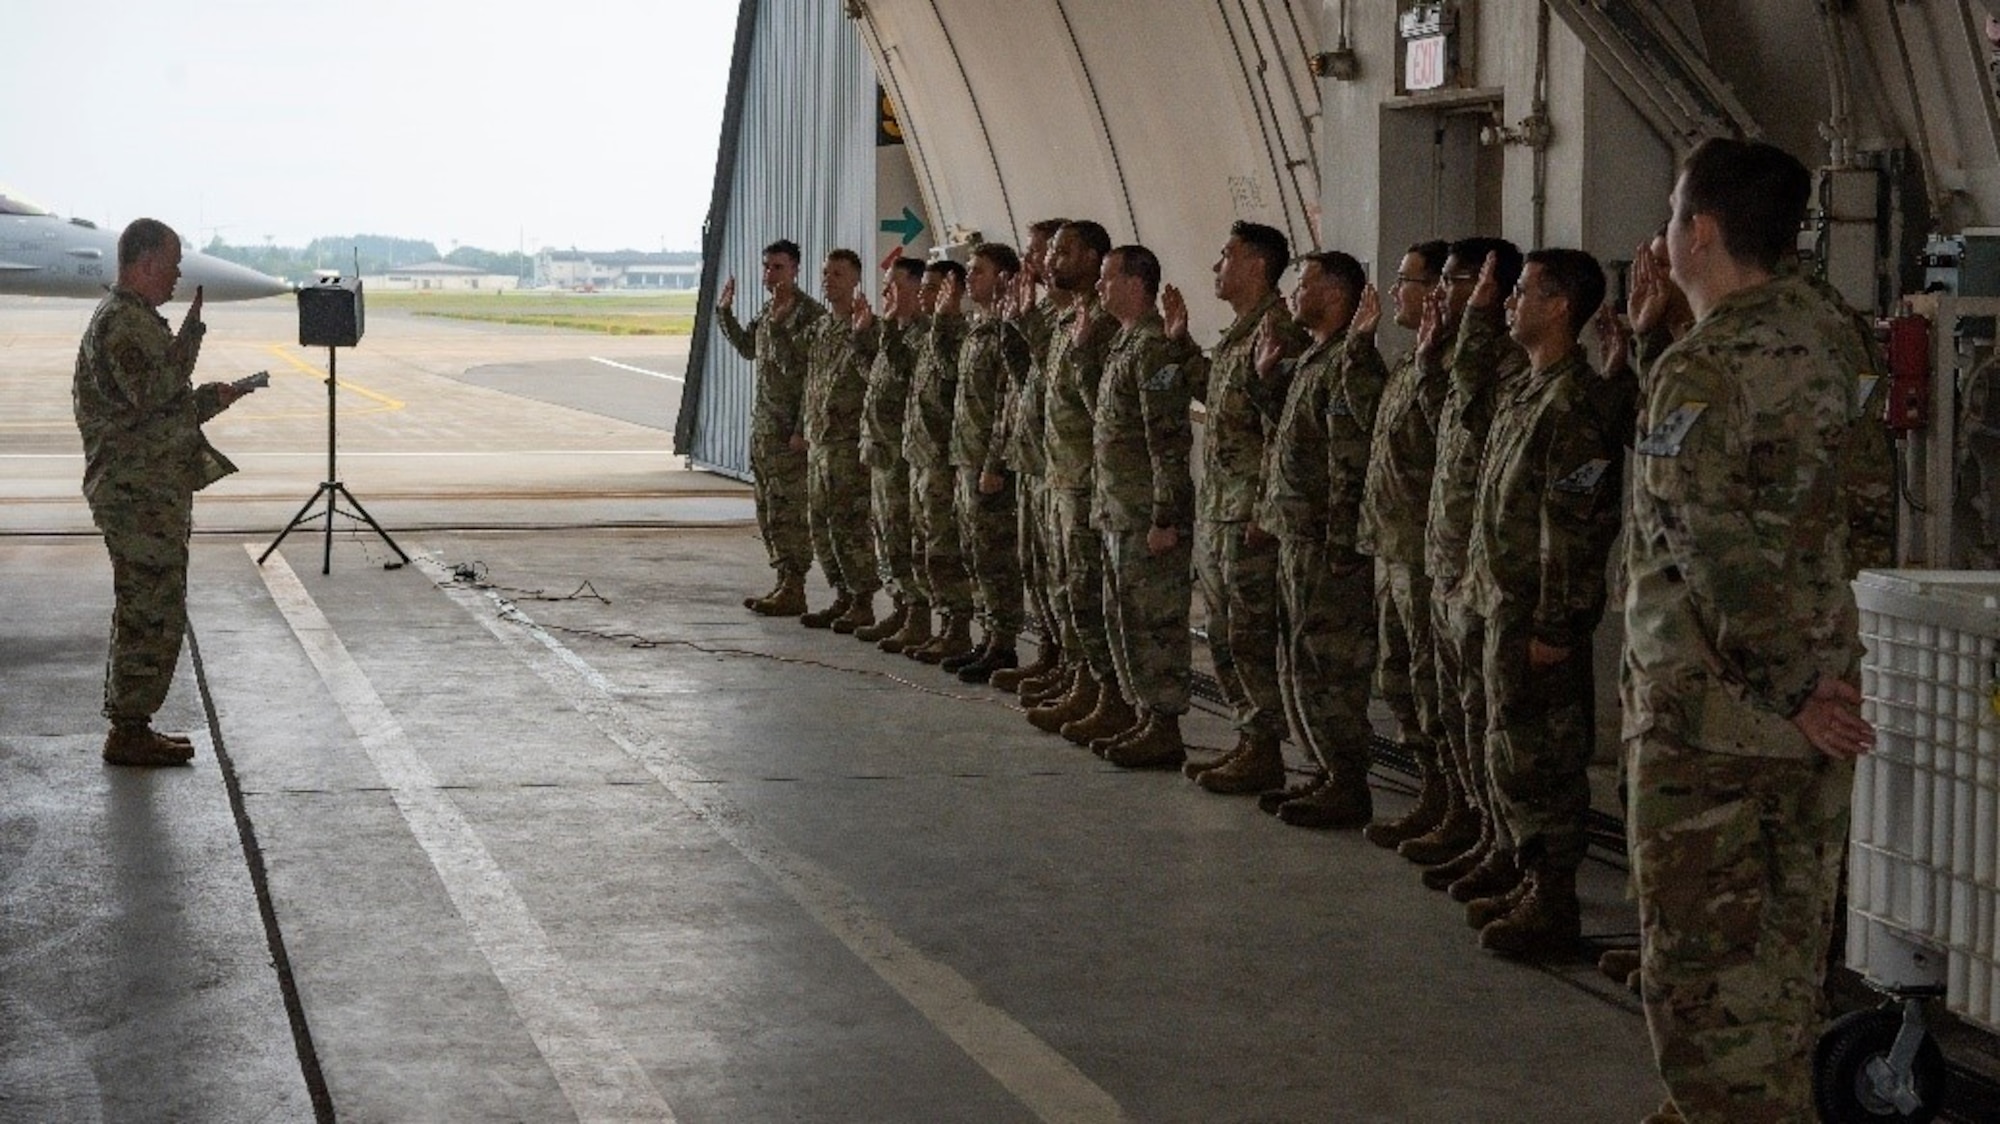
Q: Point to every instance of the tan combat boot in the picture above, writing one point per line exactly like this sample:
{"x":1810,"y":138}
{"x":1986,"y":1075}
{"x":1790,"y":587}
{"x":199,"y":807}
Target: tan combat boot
{"x":1269,"y":802}
{"x":1102,"y":746}
{"x":788,"y":600}
{"x":138,"y":744}
{"x":1048,"y":688}
{"x":1622,"y":966}
{"x":1453,"y":836}
{"x":1048,"y":657}
{"x":886,"y":627}
{"x":1110,"y":717}
{"x":916,"y":630}
{"x":1343,"y":803}
{"x":1547,"y":922}
{"x":750,"y":603}
{"x":1194,"y":769}
{"x":1158,"y":745}
{"x":1496,"y":874}
{"x":1077,"y":702}
{"x":824,"y":618}
{"x":1481,"y":912}
{"x":999,"y":656}
{"x":1433,"y":801}
{"x":953,"y":641}
{"x":859,"y":615}
{"x":1258,"y":768}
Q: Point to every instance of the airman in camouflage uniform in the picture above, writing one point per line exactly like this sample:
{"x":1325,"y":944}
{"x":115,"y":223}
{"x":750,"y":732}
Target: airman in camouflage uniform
{"x":776,"y":341}
{"x":938,"y":558}
{"x":1484,"y":365}
{"x":1546,"y":509}
{"x":1740,"y":710}
{"x":1095,"y":706}
{"x":889,"y":346}
{"x":1236,"y":561}
{"x":836,"y":480}
{"x":1144,"y":507}
{"x":1031,"y":328}
{"x":1315,"y":468}
{"x":144,"y":458}
{"x":986,"y":500}
{"x":1394,"y":505}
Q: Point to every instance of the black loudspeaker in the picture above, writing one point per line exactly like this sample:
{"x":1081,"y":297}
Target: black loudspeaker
{"x":330,"y":313}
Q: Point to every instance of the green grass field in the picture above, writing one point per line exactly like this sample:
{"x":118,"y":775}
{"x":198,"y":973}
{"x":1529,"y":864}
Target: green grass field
{"x":618,"y":314}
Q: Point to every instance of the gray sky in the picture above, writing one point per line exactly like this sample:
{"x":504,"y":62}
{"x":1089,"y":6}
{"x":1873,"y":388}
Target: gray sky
{"x":502,"y":124}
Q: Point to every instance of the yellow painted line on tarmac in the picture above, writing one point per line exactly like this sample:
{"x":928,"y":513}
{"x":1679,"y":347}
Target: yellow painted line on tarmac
{"x":384,"y":403}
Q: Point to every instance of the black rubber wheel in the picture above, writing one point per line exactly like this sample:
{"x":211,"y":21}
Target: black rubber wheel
{"x":1841,"y":1090}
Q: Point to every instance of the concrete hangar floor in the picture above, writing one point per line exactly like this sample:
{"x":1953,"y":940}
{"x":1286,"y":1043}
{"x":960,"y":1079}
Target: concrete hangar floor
{"x":581,"y":839}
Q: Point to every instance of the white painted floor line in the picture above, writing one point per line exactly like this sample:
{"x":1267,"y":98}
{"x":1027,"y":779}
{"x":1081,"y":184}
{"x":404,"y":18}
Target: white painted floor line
{"x":598,"y":1075}
{"x":1032,"y":1070}
{"x":638,"y":370}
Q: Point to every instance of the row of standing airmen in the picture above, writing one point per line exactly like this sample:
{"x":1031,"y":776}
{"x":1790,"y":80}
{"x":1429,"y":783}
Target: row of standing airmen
{"x":1437,"y":527}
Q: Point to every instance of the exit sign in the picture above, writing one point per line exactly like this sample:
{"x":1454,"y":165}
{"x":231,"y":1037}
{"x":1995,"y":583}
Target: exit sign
{"x":1424,"y":63}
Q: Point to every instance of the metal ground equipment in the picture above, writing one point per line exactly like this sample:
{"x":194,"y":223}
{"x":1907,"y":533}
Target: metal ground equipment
{"x":331,"y":315}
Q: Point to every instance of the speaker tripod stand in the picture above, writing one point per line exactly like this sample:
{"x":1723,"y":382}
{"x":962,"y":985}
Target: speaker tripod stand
{"x":333,"y":491}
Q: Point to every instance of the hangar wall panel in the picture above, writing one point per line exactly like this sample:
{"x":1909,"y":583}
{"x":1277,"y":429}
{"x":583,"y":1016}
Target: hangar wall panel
{"x":804,"y":169}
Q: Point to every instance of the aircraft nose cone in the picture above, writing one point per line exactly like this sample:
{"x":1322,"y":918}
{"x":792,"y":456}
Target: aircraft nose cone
{"x":225,"y":280}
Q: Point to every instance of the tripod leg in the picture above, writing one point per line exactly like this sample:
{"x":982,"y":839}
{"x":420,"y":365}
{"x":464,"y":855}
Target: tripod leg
{"x":332,"y":490}
{"x":296,"y":520}
{"x":370,"y":520}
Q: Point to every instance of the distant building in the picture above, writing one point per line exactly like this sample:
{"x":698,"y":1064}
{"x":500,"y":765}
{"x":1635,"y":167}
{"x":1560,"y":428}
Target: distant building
{"x":440,"y":276}
{"x":622,"y":269}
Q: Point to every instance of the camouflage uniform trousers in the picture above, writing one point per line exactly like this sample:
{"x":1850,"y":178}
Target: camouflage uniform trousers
{"x":1539,"y":740}
{"x":837,"y":491}
{"x":1459,"y":649}
{"x":889,"y":515}
{"x":1037,"y":573}
{"x":937,"y":557}
{"x":1080,"y":575}
{"x":1328,"y":658}
{"x":1737,"y":863}
{"x":780,"y":481}
{"x":1147,"y":597}
{"x":147,"y":537}
{"x":1406,"y":673}
{"x":1239,"y":586}
{"x":989,"y":528}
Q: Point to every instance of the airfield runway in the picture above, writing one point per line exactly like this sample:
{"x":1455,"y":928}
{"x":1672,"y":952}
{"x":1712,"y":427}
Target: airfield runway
{"x":546,"y":827}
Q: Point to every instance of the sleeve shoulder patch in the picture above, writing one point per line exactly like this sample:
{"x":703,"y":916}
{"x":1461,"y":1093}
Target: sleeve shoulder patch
{"x":1585,"y":479}
{"x":1666,"y":438}
{"x":1166,"y":378}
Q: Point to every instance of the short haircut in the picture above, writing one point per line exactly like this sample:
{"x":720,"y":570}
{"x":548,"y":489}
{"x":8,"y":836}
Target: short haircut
{"x":1000,"y":254}
{"x":1046,"y":227}
{"x":1433,"y":254}
{"x":947,"y":268}
{"x":1093,"y":236}
{"x":1268,"y":243}
{"x":142,"y":237}
{"x":1471,"y":254}
{"x":1576,"y":277}
{"x":1755,"y":192}
{"x":846,"y":256}
{"x":1341,"y":268}
{"x":786,"y":247}
{"x":1138,"y":261}
{"x":913,"y":267}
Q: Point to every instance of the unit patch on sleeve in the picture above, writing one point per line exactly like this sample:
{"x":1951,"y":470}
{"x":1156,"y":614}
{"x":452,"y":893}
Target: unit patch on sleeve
{"x":1668,"y":436}
{"x":1166,"y":378}
{"x":1585,"y":479}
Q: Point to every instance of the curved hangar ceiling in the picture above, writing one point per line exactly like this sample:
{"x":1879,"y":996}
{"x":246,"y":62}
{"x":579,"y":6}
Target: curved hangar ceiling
{"x":1164,"y":120}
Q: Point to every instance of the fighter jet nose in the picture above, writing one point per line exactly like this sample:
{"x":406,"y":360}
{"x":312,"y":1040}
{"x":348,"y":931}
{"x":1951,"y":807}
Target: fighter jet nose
{"x":225,"y":280}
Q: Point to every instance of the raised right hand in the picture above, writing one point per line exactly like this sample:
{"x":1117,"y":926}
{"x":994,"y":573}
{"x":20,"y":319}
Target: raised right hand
{"x":1430,"y":326}
{"x":727,"y":297}
{"x":1173,"y":306}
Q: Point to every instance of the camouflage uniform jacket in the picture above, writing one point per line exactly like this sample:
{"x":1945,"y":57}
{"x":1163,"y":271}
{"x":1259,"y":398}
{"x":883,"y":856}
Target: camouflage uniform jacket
{"x":1737,"y":554}
{"x":1240,"y":409}
{"x":1070,"y":397}
{"x":1484,"y":365}
{"x":1316,"y":464}
{"x":1867,"y":456}
{"x":836,"y":383}
{"x":136,"y":407}
{"x":891,"y":356}
{"x":778,"y":347}
{"x":1027,"y":348}
{"x":1547,"y":505}
{"x":1396,"y":500}
{"x":933,"y":391}
{"x":978,"y":418}
{"x":1142,"y":435}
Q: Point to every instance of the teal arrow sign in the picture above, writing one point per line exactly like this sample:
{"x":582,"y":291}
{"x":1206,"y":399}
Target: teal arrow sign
{"x":909,"y":226}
